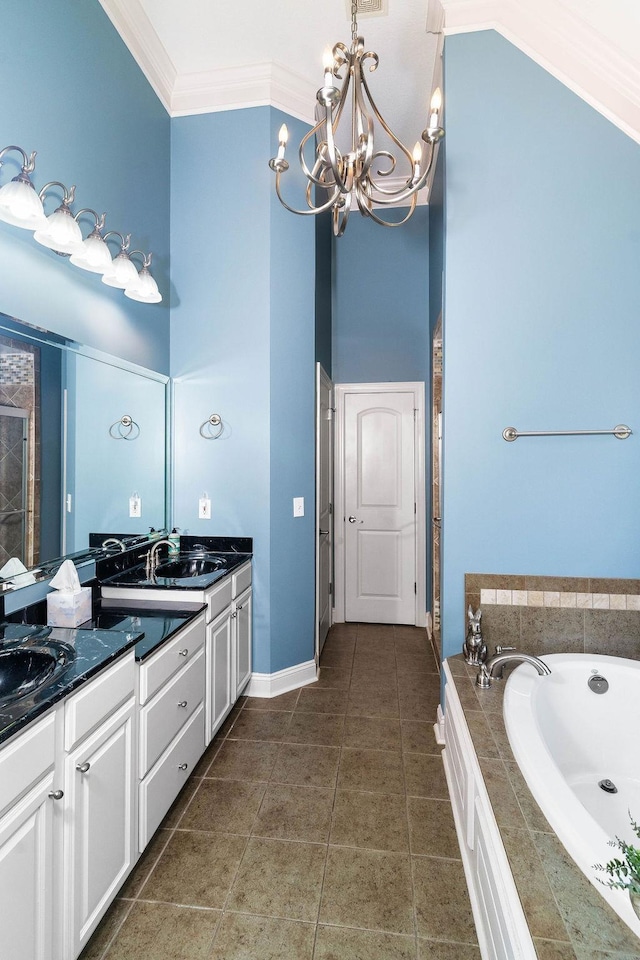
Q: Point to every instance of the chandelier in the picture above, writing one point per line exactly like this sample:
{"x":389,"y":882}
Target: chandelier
{"x":363,"y":176}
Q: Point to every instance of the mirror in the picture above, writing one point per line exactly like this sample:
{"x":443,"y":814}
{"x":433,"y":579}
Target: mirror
{"x":83,"y":445}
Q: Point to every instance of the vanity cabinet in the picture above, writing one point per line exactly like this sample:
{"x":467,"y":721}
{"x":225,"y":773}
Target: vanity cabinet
{"x":27,"y":826}
{"x":171,"y":687}
{"x":99,"y":799}
{"x":229,"y":615}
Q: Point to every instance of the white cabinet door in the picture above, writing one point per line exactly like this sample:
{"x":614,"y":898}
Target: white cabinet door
{"x":26,"y":876}
{"x":219,"y":673}
{"x":99,"y":824}
{"x":242,"y":640}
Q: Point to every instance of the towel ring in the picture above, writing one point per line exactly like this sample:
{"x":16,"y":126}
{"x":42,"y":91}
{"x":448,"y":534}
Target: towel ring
{"x":215,"y":420}
{"x":124,"y":429}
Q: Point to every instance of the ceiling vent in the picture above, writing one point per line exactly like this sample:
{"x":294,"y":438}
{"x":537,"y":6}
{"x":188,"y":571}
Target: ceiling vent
{"x":369,"y":8}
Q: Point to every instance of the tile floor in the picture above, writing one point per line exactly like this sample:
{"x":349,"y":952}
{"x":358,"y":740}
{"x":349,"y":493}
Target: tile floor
{"x":317,"y":826}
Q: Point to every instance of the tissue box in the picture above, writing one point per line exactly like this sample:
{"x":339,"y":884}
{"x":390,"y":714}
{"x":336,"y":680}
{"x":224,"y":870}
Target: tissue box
{"x":68,"y":609}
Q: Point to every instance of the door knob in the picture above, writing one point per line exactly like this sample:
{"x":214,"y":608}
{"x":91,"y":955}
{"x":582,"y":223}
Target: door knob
{"x":355,"y":520}
{"x":56,"y":794}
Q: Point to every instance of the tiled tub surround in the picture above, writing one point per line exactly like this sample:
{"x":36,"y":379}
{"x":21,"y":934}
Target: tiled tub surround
{"x":567,"y":918}
{"x":541,"y":615}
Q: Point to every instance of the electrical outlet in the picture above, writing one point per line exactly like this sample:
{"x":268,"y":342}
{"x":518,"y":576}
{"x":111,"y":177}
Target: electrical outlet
{"x":204,"y":508}
{"x":135,"y":506}
{"x":298,"y":506}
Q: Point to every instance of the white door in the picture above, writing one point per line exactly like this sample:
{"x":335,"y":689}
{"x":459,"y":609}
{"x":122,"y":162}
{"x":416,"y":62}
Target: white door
{"x":324,"y":497}
{"x":380,"y":503}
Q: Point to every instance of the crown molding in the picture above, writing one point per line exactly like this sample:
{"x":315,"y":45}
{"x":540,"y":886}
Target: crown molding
{"x":236,"y":88}
{"x":137,"y":32}
{"x":563,"y":44}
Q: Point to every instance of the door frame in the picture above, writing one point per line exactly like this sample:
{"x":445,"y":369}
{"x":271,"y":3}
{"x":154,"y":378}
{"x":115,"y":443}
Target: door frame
{"x":323,"y":376}
{"x":340,"y":392}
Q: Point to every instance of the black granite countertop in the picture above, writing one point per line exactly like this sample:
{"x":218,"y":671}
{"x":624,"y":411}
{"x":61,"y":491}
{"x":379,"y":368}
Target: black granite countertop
{"x":113,"y":630}
{"x":134,"y":577}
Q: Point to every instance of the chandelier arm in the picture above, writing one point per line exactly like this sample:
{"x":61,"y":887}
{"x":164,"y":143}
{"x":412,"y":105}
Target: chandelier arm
{"x":395,"y":223}
{"x":341,"y":215}
{"x":309,"y":174}
{"x":395,"y":198}
{"x":305,"y":213}
{"x":385,"y":126}
{"x":360,"y":119}
{"x":331,"y":123}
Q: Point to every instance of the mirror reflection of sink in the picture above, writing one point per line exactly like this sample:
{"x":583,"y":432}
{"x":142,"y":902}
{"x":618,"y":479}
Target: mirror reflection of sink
{"x":190,"y":567}
{"x":25,"y":668}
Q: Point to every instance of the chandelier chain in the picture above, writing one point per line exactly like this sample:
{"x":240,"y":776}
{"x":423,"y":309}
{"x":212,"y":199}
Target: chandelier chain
{"x":354,"y":22}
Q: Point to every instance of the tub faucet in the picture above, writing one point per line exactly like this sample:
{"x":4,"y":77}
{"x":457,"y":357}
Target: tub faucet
{"x":152,"y":558}
{"x":492,"y":669}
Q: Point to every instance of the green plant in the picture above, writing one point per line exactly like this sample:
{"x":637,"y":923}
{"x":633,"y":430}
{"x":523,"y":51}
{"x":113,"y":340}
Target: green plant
{"x":623,"y":874}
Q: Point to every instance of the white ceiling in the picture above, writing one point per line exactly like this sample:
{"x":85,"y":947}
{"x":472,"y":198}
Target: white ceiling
{"x":207,"y":55}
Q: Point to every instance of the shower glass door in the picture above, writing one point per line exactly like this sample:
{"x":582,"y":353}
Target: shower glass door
{"x":14,"y":437}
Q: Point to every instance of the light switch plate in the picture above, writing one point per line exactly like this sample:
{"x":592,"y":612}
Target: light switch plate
{"x":298,"y":506}
{"x":135,"y":507}
{"x":204,"y":508}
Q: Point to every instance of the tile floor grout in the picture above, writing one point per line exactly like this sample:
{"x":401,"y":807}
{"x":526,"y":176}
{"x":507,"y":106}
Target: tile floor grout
{"x":250,"y":919}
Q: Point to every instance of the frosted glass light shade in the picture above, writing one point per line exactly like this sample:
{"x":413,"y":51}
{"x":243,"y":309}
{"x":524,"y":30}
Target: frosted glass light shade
{"x":20,"y":205}
{"x":122,"y":273}
{"x":60,"y":232}
{"x":144,"y":289}
{"x":93,"y":255}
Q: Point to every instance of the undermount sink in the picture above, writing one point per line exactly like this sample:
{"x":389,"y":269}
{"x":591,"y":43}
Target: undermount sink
{"x":25,"y":668}
{"x":190,"y":567}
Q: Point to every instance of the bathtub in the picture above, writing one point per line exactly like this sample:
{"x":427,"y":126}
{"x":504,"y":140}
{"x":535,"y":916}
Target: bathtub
{"x":566,"y":739}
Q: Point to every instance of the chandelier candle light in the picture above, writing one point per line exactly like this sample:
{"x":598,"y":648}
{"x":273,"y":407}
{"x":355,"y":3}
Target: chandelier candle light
{"x":363,"y":175}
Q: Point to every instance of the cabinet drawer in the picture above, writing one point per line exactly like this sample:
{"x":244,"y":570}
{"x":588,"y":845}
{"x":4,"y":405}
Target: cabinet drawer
{"x":98,"y":698}
{"x":162,"y":717}
{"x":219,"y":598}
{"x":171,"y":657}
{"x":27,"y":758}
{"x":241,"y":579}
{"x":159,"y":789}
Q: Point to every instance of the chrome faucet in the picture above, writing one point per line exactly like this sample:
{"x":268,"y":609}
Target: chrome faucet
{"x":152,"y":558}
{"x":115,"y":541}
{"x":493,"y":668}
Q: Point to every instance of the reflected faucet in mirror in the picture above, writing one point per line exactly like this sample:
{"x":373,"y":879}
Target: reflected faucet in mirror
{"x":115,"y":542}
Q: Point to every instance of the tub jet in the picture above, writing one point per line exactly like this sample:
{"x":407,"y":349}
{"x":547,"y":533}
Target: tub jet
{"x":608,"y":786}
{"x":598,"y":683}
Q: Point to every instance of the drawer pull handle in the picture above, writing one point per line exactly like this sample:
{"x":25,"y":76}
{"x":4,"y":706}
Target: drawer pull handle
{"x":183,"y":653}
{"x":56,"y":794}
{"x":234,"y":615}
{"x":83,"y":767}
{"x":182,"y":703}
{"x":182,"y":766}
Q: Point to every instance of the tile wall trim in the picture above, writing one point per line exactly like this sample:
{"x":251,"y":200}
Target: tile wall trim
{"x":560,"y":599}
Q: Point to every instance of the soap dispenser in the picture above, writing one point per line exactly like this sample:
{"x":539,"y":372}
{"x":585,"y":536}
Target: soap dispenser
{"x":174,"y":543}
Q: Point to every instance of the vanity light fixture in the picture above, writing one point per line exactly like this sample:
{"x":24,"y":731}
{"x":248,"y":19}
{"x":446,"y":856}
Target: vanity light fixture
{"x":359,"y":174}
{"x":122,"y":270}
{"x":22,"y":206}
{"x":93,"y":254}
{"x":60,"y":231}
{"x":144,"y":288}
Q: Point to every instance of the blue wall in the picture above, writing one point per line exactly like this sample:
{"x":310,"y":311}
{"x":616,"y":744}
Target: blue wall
{"x":72,"y":91}
{"x":380,"y":301}
{"x":243,"y":344}
{"x":542,"y":298}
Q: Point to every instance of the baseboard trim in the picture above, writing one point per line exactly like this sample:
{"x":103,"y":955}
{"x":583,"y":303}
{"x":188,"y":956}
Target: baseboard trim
{"x":273,"y":684}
